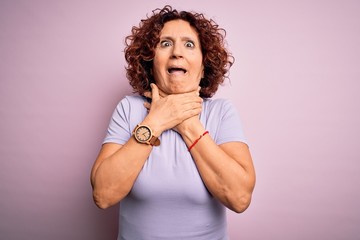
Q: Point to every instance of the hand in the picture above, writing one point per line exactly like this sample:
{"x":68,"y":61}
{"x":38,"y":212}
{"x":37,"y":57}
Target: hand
{"x":188,"y":124}
{"x":168,"y":111}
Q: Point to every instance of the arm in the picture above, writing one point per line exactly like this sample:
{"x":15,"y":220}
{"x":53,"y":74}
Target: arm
{"x":227,"y":170}
{"x":115,"y":171}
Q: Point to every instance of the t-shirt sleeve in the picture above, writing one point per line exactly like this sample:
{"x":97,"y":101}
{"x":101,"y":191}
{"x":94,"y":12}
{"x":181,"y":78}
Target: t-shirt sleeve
{"x":119,"y":126}
{"x":230,"y":128}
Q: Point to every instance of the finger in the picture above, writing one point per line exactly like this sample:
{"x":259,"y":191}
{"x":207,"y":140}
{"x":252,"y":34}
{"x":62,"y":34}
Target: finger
{"x":147,"y":94}
{"x":191,"y":113}
{"x":147,"y":105}
{"x":188,"y":107}
{"x":191,"y":99}
{"x":192,"y":106}
{"x":154,"y":92}
{"x":195,"y":92}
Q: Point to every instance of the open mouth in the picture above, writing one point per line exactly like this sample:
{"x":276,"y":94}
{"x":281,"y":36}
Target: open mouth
{"x":176,"y":70}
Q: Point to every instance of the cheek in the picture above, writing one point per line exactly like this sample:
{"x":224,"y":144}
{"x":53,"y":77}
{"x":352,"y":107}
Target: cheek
{"x":157,"y":64}
{"x":155,"y":68}
{"x":154,"y":64}
{"x":201,"y":71}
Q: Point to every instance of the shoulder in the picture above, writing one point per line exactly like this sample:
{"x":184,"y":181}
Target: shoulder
{"x":217,"y":101}
{"x":130,"y":105}
{"x":218,"y":104}
{"x":222,"y":119}
{"x":131,"y":101}
{"x":219,"y":109}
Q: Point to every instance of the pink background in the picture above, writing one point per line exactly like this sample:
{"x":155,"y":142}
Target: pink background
{"x":296,"y":83}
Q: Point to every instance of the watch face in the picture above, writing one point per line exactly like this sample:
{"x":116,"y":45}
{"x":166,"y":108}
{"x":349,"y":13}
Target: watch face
{"x":143,"y":133}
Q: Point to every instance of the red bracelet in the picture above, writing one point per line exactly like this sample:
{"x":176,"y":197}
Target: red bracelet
{"x":192,"y":145}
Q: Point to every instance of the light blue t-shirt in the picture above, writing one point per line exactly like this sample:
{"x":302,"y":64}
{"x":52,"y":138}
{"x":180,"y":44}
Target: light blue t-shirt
{"x":169,"y":199}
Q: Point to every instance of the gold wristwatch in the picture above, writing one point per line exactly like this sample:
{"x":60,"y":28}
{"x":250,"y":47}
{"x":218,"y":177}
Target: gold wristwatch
{"x":143,"y":134}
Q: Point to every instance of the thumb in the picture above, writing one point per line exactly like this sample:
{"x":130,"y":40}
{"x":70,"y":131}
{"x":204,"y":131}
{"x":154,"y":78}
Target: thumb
{"x":154,"y":92}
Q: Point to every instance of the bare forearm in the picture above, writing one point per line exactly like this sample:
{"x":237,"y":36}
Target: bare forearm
{"x":114,"y":177}
{"x":228,"y":174}
{"x":225,"y":178}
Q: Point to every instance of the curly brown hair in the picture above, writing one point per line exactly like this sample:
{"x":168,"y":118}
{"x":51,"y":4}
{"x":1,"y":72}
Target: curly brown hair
{"x":141,"y":44}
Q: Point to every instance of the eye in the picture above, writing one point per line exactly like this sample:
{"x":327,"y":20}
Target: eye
{"x":190,"y":44}
{"x":165,"y":43}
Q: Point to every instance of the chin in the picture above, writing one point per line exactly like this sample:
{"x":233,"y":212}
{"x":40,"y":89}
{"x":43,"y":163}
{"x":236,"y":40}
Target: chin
{"x":176,"y":89}
{"x":183,"y":89}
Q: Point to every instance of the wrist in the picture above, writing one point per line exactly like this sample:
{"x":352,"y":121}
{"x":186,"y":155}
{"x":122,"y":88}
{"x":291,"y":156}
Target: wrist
{"x":189,"y":134}
{"x":155,"y":128}
{"x":197,"y":140}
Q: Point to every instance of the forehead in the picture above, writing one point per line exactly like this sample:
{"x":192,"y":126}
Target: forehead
{"x":178,"y":28}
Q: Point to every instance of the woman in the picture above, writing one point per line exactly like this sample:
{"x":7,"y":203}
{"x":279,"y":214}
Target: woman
{"x":173,"y":157}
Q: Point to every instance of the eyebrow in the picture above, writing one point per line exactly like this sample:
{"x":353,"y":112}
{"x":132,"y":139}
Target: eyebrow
{"x":185,"y":38}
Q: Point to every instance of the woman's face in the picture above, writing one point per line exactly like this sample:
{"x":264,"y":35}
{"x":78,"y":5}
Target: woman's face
{"x":178,"y":62}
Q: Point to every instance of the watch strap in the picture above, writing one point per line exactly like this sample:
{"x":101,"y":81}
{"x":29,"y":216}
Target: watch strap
{"x":154,"y":141}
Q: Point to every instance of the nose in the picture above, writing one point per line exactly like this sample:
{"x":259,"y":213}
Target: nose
{"x":177,"y":51}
